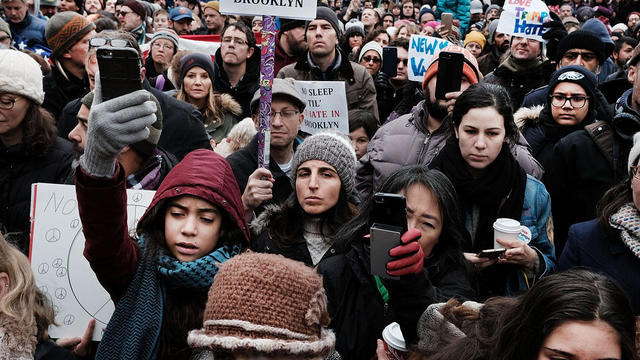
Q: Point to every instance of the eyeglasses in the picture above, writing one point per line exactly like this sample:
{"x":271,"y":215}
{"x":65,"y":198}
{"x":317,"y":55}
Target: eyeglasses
{"x":157,"y":45}
{"x":633,"y":171}
{"x":576,"y":101}
{"x":228,"y":39}
{"x":376,"y":60}
{"x":123,"y":13}
{"x":285,"y":114}
{"x":98,"y":42}
{"x":7,"y":103}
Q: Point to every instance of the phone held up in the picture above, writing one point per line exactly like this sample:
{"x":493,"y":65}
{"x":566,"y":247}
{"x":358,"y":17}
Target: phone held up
{"x":119,"y":71}
{"x":389,"y":223}
{"x":449,"y":73}
{"x":390,"y":61}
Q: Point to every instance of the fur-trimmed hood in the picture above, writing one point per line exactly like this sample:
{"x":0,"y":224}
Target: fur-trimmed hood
{"x":262,"y":222}
{"x":528,"y":117}
{"x":229,"y":104}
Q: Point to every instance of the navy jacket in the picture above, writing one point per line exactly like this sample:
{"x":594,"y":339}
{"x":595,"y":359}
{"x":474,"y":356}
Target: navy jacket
{"x":591,"y":247}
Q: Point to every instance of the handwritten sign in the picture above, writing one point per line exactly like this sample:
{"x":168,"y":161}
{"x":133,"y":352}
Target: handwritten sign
{"x":421,"y":51}
{"x":326,"y":106}
{"x":61,"y":271}
{"x":290,"y":9}
{"x":524,"y":18}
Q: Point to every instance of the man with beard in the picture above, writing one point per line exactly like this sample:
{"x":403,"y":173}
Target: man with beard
{"x":290,"y":43}
{"x":417,"y":137}
{"x":498,"y":46}
{"x":180,"y":19}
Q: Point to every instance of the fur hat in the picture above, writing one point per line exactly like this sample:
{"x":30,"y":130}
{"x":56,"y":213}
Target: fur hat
{"x":469,"y":69}
{"x":581,"y":39}
{"x":634,"y":153}
{"x":20,"y":75}
{"x":137,"y":8}
{"x":334,"y":149}
{"x":371,"y":45}
{"x":65,"y":29}
{"x":196,"y":59}
{"x":325,"y":13}
{"x":281,"y":87}
{"x":266,"y":304}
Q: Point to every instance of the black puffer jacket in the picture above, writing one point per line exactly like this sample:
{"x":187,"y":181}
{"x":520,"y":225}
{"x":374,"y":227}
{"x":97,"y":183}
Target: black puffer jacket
{"x":59,"y":91}
{"x":17,"y":172}
{"x":244,"y":90}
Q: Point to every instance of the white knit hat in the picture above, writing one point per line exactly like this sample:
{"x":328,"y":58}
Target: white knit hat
{"x":371,"y":45}
{"x":20,"y":75}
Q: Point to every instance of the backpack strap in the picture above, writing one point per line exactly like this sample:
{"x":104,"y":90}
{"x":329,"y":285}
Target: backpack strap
{"x":602,"y":135}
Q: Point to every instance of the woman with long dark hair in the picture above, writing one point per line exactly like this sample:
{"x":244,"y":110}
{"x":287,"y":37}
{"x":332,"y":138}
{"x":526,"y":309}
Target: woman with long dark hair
{"x":491,"y":184}
{"x":430,"y":262}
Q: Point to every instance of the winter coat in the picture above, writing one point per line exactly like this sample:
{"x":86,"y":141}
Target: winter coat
{"x":518,"y":83}
{"x":359,"y":86}
{"x":59,"y":91}
{"x":29,"y":31}
{"x":67,"y":119}
{"x":154,"y":76}
{"x":598,"y":250}
{"x":488,"y":62}
{"x":264,"y":242}
{"x":358,"y":311}
{"x":461,"y":10}
{"x":17,"y":172}
{"x":245,"y":161}
{"x":406,"y":141}
{"x":231,"y":113}
{"x":245,"y":89}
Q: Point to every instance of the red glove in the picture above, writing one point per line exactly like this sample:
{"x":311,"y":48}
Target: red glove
{"x":411,"y":257}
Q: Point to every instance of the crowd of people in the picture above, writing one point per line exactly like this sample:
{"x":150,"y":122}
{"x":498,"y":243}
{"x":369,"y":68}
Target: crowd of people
{"x":236,"y":261}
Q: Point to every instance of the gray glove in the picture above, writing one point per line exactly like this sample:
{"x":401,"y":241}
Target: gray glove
{"x":112,"y":125}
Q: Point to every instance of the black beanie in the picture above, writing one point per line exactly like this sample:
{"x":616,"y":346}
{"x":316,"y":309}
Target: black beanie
{"x":288,"y":24}
{"x":196,"y":59}
{"x":575,"y":74}
{"x":581,"y":39}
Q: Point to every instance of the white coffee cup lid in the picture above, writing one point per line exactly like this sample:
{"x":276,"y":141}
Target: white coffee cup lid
{"x":507,"y":225}
{"x":392,"y":335}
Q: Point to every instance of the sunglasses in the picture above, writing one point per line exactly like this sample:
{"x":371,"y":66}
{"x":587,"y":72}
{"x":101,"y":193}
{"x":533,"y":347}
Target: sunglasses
{"x":376,"y":60}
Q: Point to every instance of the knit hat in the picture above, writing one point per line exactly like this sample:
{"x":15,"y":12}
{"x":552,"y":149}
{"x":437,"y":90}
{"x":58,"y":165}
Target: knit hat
{"x":491,"y":7}
{"x":179,"y":13}
{"x":196,"y":59}
{"x":619,"y":27}
{"x":600,"y":30}
{"x":581,"y":39}
{"x":137,"y":8}
{"x":353,"y":27}
{"x":492,"y":31}
{"x":476,"y":7}
{"x":167,"y":34}
{"x":575,"y":74}
{"x":281,"y":87}
{"x":288,"y":24}
{"x":147,"y":146}
{"x":50,"y":3}
{"x":215,"y":5}
{"x":333,"y":148}
{"x":371,"y":45}
{"x":584,"y":13}
{"x":469,"y":68}
{"x":266,"y":304}
{"x":426,"y":9}
{"x":65,"y":29}
{"x":475,"y":36}
{"x":5,"y":27}
{"x":634,"y":153}
{"x":20,"y":75}
{"x":432,"y":24}
{"x":325,"y":13}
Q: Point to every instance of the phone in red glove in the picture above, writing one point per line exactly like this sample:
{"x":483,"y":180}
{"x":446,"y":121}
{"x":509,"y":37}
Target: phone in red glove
{"x":389,"y":223}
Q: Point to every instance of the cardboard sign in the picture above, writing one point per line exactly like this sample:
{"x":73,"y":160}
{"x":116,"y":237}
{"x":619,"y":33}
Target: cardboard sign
{"x":524,"y":18}
{"x":326,"y":106}
{"x":421,"y":51}
{"x":290,"y":9}
{"x":61,"y":271}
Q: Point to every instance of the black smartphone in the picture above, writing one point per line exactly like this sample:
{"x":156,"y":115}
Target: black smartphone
{"x":390,"y":61}
{"x":491,"y":253}
{"x":390,"y":210}
{"x":449,"y":73}
{"x":119,"y":71}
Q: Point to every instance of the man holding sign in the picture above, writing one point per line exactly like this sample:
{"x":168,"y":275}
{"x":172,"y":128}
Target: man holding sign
{"x":325,"y":62}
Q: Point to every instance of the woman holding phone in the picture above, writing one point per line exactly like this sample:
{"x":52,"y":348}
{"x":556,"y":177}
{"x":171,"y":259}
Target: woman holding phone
{"x":491,"y":184}
{"x":429,"y":261}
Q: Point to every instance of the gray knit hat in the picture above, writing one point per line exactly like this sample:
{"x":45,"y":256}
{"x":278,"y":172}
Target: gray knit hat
{"x":325,"y":13}
{"x":333,"y":148}
{"x":167,"y":34}
{"x":147,"y":146}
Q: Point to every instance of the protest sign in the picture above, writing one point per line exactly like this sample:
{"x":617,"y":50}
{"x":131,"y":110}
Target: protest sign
{"x":326,"y":106}
{"x":290,"y":9}
{"x":61,"y":271}
{"x":524,"y":18}
{"x":201,"y":46}
{"x":421,"y":51}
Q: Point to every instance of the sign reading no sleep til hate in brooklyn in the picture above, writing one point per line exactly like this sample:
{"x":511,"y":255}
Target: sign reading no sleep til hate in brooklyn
{"x":290,"y":9}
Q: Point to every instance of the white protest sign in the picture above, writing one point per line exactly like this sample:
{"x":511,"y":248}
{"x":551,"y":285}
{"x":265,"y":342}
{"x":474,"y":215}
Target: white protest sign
{"x":61,"y":271}
{"x":524,"y":18}
{"x":326,"y":106}
{"x":290,"y":9}
{"x":205,"y":47}
{"x":421,"y":51}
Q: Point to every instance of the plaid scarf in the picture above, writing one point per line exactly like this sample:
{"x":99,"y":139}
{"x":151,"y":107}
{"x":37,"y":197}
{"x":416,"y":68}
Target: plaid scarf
{"x":627,"y":220}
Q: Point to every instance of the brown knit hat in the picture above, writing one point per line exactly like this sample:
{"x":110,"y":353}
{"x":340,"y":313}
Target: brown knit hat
{"x":137,"y":8}
{"x":266,"y":304}
{"x":64,"y":30}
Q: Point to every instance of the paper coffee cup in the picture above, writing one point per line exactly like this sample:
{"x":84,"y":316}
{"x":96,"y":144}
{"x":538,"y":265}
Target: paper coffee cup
{"x":394,"y":344}
{"x":505,"y":229}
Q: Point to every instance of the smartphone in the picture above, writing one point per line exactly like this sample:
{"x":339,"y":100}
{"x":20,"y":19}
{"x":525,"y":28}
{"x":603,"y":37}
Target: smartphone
{"x":446,"y":19}
{"x":383,"y":239}
{"x":390,"y":210}
{"x":390,"y":61}
{"x":491,"y":253}
{"x":119,"y":71}
{"x":449,"y":73}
